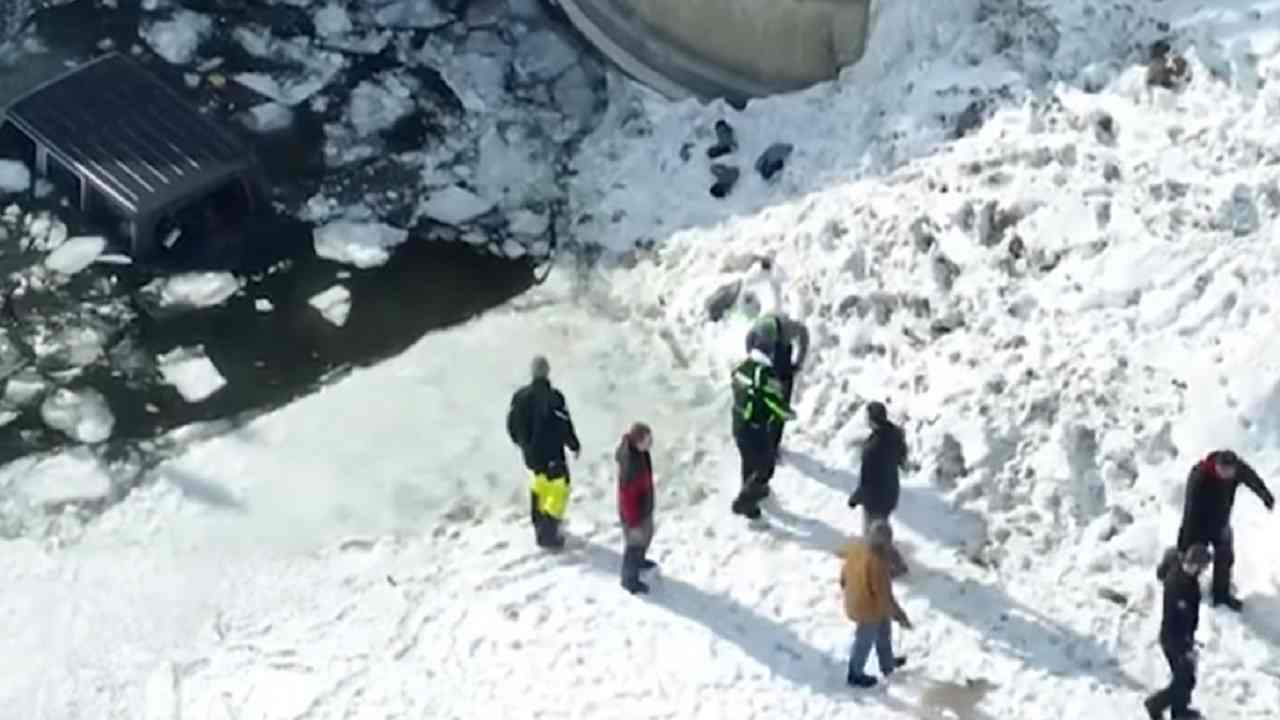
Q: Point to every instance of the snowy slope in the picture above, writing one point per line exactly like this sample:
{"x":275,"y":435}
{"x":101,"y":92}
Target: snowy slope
{"x":364,"y":552}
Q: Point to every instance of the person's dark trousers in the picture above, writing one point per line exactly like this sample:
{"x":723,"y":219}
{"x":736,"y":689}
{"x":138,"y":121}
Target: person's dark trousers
{"x":635,"y":550}
{"x":1177,"y":696}
{"x":546,"y":529}
{"x":1224,"y":558}
{"x":755,"y":448}
{"x":869,"y":517}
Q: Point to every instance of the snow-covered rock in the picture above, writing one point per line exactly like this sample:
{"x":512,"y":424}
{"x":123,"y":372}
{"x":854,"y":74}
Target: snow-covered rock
{"x":454,"y":205}
{"x":362,"y":244}
{"x":14,"y":177}
{"x":334,"y":304}
{"x":82,"y":414}
{"x":76,"y":254}
{"x":178,"y":38}
{"x":190,"y":371}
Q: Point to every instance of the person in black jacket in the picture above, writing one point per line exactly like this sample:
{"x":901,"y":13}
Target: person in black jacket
{"x":1179,"y":571}
{"x":538,"y":422}
{"x":1206,"y":515}
{"x":883,"y":455}
{"x":635,"y":504}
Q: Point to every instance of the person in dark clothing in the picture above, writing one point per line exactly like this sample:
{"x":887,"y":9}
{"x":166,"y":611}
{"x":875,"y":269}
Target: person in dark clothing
{"x":786,"y":342}
{"x":883,"y":455}
{"x":635,"y":504}
{"x":538,"y":422}
{"x":758,"y":406}
{"x":1179,"y":571}
{"x":1206,"y":514}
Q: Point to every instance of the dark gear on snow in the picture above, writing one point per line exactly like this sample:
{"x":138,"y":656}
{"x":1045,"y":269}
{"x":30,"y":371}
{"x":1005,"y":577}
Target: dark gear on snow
{"x":1179,"y":573}
{"x":758,"y":408}
{"x":538,"y":422}
{"x":883,"y":456}
{"x":1206,"y":516}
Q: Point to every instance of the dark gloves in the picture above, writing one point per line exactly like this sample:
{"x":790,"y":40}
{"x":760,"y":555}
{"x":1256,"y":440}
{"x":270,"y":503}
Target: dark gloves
{"x":855,"y":500}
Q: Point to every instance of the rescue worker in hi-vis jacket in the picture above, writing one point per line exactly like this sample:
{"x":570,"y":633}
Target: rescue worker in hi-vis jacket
{"x":759,"y":410}
{"x":538,"y":422}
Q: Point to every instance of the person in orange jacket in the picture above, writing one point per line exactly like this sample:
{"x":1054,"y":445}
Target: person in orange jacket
{"x":867,"y":580}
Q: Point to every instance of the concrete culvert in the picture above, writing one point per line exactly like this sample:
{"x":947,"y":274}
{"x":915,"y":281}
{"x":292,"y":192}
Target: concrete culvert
{"x":731,"y":49}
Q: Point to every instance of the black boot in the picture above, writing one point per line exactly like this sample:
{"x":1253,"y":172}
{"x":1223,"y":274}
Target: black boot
{"x":1154,"y":710}
{"x":860,"y":680}
{"x":744,"y":506}
{"x":635,"y":587}
{"x":1187,"y":714}
{"x":1231,"y":601}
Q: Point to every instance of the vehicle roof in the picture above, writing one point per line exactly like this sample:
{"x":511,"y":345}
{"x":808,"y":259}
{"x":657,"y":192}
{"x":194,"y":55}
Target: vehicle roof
{"x":129,"y":135}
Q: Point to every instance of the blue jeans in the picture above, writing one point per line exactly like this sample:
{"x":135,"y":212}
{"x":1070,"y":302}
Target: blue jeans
{"x":867,"y":634}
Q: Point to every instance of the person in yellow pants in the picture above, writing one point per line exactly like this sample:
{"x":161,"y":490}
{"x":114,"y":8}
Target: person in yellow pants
{"x":538,"y":422}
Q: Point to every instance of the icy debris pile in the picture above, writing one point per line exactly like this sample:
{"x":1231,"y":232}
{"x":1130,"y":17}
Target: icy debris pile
{"x":450,"y":119}
{"x":1017,"y":297}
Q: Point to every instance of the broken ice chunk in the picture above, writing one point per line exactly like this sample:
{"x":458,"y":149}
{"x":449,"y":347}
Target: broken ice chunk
{"x":334,"y":304}
{"x":82,"y":415}
{"x":191,"y":373}
{"x":362,"y":244}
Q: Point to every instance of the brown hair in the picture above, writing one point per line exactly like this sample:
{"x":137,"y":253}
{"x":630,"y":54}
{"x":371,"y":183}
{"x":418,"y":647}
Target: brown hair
{"x":638,"y":432}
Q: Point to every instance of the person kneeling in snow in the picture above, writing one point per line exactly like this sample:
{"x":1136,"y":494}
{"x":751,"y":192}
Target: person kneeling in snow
{"x":538,"y":422}
{"x":1206,"y":515}
{"x":1180,"y":574}
{"x":867,"y":580}
{"x":635,"y":504}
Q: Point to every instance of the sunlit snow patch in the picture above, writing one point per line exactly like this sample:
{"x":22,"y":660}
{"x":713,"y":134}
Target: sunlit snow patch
{"x":76,"y":475}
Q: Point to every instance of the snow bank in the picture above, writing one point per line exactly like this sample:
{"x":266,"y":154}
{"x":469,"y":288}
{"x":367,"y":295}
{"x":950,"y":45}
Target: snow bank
{"x":191,"y":373}
{"x":362,"y":244}
{"x":82,"y":415}
{"x":178,"y":38}
{"x":14,"y":177}
{"x":193,"y":290}
{"x":334,"y":304}
{"x":76,"y":254}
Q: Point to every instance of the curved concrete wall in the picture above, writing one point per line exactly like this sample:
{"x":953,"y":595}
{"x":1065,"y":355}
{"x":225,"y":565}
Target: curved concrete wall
{"x":735,"y":49}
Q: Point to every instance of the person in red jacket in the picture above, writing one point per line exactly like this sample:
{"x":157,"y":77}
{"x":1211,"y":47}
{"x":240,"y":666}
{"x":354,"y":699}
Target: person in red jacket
{"x":635,"y":504}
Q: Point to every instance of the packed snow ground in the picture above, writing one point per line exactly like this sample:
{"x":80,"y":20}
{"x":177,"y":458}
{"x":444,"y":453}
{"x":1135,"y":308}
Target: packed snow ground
{"x":1065,"y":312}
